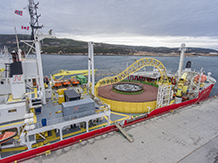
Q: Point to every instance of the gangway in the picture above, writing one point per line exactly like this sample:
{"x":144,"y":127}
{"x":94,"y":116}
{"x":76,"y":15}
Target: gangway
{"x":124,"y":133}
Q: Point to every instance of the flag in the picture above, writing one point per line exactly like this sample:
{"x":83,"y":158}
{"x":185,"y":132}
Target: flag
{"x":24,"y":27}
{"x":18,"y":12}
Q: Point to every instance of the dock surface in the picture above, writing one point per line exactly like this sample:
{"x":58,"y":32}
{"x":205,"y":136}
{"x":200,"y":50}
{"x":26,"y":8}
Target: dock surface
{"x":184,"y":136}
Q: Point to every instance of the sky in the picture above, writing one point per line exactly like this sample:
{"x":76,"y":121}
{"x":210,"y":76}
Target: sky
{"x":156,"y":23}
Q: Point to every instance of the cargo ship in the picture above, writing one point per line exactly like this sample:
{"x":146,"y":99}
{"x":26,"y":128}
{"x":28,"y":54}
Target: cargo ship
{"x":42,"y":114}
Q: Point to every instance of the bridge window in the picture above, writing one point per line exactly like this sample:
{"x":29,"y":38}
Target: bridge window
{"x":12,"y":111}
{"x":34,"y":82}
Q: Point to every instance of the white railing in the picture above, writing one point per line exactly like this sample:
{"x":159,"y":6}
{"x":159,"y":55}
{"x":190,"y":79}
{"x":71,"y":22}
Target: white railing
{"x":64,"y":119}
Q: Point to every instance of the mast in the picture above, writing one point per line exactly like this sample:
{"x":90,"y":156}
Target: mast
{"x":182,"y":49}
{"x":93,"y":72}
{"x":37,"y":37}
{"x":91,"y":63}
{"x":34,"y":17}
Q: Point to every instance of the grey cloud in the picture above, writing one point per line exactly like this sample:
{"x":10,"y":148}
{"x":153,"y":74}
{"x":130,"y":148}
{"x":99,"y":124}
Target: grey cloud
{"x":140,"y":17}
{"x":169,"y":17}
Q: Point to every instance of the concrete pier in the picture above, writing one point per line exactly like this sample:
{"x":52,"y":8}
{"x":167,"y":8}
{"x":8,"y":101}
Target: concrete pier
{"x":185,"y":136}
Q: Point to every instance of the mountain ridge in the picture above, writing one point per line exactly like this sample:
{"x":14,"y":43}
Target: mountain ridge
{"x":74,"y":47}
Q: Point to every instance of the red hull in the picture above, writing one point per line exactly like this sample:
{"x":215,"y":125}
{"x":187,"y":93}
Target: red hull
{"x":41,"y":150}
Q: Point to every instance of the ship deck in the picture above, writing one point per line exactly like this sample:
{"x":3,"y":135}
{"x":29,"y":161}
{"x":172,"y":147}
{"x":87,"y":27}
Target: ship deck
{"x":53,"y":114}
{"x":187,"y":135}
{"x":149,"y":94}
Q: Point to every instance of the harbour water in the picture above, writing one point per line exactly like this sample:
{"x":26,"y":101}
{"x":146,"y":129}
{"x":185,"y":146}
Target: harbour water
{"x":53,"y":63}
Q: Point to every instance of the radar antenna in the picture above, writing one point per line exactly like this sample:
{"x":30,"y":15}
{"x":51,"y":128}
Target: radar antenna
{"x":34,"y":22}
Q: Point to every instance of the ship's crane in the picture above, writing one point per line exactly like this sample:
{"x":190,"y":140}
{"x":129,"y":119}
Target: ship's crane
{"x":71,"y":73}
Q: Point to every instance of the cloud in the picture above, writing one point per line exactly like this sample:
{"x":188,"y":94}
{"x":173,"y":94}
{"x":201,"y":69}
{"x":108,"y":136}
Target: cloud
{"x":127,"y":19}
{"x":156,"y":41}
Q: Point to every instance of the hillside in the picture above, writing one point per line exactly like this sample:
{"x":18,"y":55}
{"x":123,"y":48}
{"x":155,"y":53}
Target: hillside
{"x":69,"y":46}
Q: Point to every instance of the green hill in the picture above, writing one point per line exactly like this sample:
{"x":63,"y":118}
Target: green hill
{"x":69,"y":46}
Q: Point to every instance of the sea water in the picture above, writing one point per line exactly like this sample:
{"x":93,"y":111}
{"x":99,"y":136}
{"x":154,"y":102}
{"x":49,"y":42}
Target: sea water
{"x":54,"y":63}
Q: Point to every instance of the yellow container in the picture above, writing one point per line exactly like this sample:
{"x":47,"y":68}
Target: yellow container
{"x":61,"y":98}
{"x":185,"y":88}
{"x":61,"y":91}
